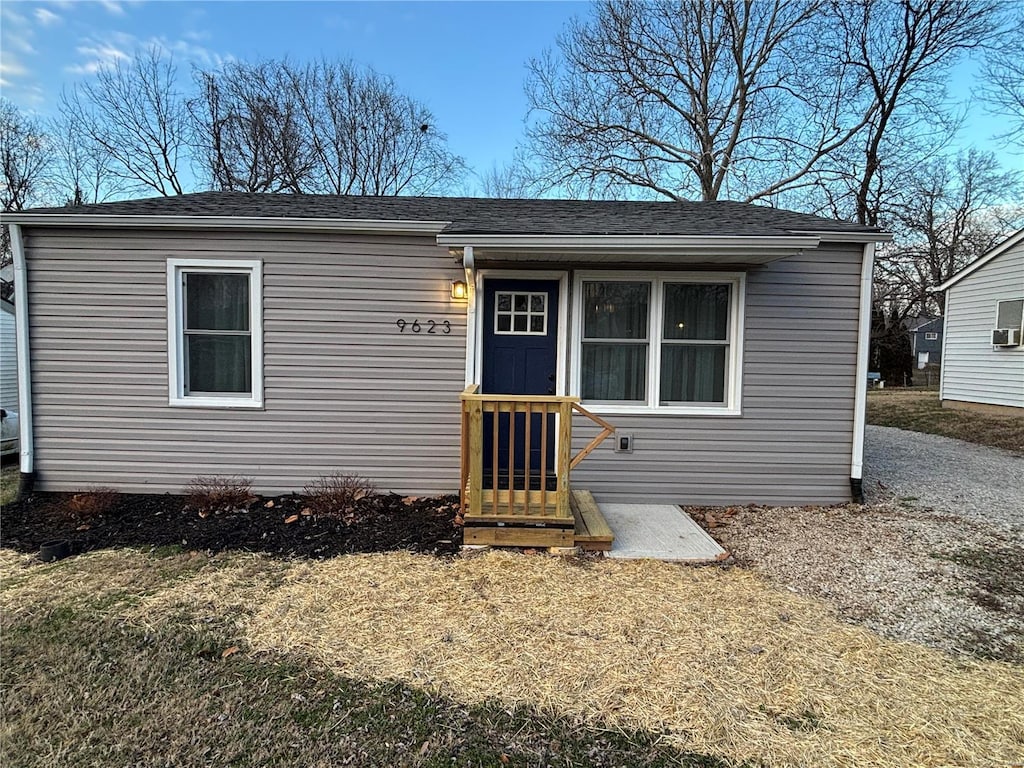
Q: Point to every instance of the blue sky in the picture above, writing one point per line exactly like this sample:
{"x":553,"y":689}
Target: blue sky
{"x":465,"y":60}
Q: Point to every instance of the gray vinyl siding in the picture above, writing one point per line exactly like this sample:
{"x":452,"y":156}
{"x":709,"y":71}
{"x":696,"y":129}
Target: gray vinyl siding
{"x":344,"y":390}
{"x":972,"y":369}
{"x":794,"y":440}
{"x":8,"y":361}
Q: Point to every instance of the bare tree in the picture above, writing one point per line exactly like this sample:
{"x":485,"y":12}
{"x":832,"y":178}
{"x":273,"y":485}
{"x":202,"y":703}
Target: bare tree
{"x":368,"y":138}
{"x":134,"y":113}
{"x":1004,"y":80}
{"x":80,"y":171}
{"x":953,"y":211}
{"x":247,"y":126}
{"x":511,"y":180}
{"x":25,"y":154}
{"x":708,"y":99}
{"x":902,"y":51}
{"x":324,"y":127}
{"x":768,"y":100}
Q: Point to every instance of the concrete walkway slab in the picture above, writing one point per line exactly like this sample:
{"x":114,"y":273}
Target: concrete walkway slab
{"x":657,"y":531}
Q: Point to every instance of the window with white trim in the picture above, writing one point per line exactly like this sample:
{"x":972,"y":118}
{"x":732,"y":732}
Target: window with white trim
{"x":669,"y":343}
{"x":931,"y":336}
{"x":1010,"y":314}
{"x":215,"y":341}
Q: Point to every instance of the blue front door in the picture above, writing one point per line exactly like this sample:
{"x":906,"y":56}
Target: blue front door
{"x":520,"y":346}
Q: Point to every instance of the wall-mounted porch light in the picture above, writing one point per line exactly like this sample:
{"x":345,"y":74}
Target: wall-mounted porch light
{"x":460,"y":291}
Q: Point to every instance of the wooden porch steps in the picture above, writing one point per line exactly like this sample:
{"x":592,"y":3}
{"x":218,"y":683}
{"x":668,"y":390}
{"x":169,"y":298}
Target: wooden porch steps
{"x":517,"y":536}
{"x":588,"y":529}
{"x":592,"y":530}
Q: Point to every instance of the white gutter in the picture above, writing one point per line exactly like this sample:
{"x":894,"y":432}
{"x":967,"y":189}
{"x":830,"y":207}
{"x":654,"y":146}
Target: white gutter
{"x":850,"y":237}
{"x":861,"y":384}
{"x":470,"y":267}
{"x":624,"y":242}
{"x":22,"y":342}
{"x":267,"y":223}
{"x":945,"y":337}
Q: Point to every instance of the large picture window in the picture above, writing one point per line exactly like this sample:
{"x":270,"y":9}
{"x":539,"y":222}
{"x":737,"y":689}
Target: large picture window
{"x":662,"y":342}
{"x":214,"y":329}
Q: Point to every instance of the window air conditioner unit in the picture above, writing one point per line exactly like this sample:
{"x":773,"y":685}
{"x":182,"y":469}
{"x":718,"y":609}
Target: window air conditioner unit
{"x":1006,"y":337}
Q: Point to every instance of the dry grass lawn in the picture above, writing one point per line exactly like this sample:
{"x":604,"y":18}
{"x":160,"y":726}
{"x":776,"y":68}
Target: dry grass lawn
{"x":718,"y":660}
{"x":921,"y":411}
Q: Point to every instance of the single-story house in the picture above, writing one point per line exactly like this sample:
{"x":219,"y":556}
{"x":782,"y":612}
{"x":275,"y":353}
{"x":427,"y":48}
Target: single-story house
{"x":926,"y":341}
{"x":983,"y":348}
{"x":282,"y":337}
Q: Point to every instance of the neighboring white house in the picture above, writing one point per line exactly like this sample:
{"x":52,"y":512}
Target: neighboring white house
{"x":8,"y":359}
{"x":983,"y":348}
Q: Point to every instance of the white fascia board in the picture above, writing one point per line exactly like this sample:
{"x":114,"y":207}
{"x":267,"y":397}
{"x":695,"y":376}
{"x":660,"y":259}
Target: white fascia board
{"x":1003,"y":247}
{"x":263,"y":223}
{"x":675,"y":243}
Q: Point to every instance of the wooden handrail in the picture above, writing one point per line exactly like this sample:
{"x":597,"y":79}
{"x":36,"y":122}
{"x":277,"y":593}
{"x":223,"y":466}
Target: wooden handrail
{"x":520,"y":503}
{"x":607,"y":430}
{"x":519,"y":398}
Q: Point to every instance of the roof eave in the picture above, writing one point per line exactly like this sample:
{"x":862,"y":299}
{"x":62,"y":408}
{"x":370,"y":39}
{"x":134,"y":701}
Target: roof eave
{"x":720,"y":250}
{"x":1004,"y":246}
{"x":262,"y":223}
{"x":677,"y":243}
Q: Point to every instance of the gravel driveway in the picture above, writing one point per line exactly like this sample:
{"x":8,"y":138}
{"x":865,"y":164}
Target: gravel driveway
{"x":971,"y":481}
{"x":935,"y":556}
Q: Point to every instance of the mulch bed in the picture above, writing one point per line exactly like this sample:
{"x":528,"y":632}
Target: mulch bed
{"x":281,"y":526}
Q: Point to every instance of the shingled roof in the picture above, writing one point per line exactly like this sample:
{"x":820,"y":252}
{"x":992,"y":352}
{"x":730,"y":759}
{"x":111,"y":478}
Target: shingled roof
{"x":466,"y":215}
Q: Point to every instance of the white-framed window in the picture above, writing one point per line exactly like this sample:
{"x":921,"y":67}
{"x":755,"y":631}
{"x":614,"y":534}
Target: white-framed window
{"x":667,"y":342}
{"x":215,"y":332}
{"x":1010,"y":314}
{"x":520,"y":313}
{"x":931,"y":336}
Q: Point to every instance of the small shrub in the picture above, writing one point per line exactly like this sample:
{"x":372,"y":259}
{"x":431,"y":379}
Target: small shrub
{"x":211,"y":494}
{"x":335,"y":495}
{"x":89,"y":505}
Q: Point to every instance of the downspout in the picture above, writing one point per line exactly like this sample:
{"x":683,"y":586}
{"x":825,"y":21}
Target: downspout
{"x":942,"y":358}
{"x":27,"y":479}
{"x":861,"y":386}
{"x":470,"y":267}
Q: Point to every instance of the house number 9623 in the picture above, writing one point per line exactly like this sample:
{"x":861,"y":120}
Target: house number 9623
{"x":427,"y":326}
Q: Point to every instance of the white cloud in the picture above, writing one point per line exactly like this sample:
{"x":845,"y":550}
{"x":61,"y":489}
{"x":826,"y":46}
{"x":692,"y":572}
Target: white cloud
{"x":30,"y":97}
{"x":105,"y":51}
{"x":10,"y":15}
{"x":185,"y":50}
{"x":46,"y":18}
{"x":99,"y":54}
{"x":10,"y":66}
{"x":19,"y":42}
{"x":14,"y":79}
{"x":113,"y":7}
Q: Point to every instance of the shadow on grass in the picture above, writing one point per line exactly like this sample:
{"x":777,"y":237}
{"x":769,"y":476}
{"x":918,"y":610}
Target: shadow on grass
{"x":84,"y":688}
